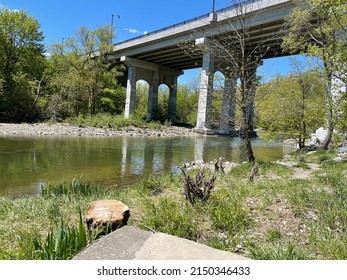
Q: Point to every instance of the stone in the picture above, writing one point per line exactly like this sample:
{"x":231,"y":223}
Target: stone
{"x":321,"y":134}
{"x":104,"y":212}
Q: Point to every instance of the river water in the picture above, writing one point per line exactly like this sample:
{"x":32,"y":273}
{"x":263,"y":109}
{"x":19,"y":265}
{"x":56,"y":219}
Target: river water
{"x":28,"y":163}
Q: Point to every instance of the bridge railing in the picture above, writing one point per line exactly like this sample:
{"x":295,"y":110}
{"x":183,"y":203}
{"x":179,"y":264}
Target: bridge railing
{"x":166,"y":28}
{"x":231,"y":7}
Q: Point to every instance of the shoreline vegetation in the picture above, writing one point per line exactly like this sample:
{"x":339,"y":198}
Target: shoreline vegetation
{"x":96,"y":126}
{"x":295,"y":208}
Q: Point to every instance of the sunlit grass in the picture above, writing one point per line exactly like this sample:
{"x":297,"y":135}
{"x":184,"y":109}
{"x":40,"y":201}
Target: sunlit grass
{"x":273,"y":217}
{"x":114,"y":122}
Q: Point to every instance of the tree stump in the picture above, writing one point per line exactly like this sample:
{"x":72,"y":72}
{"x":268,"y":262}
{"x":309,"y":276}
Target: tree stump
{"x":112,"y":213}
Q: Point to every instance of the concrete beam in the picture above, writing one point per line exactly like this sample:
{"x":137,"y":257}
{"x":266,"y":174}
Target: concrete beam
{"x":134,"y":62}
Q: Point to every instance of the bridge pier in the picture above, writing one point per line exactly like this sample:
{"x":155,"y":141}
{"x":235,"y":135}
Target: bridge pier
{"x":155,"y":75}
{"x":203,"y":122}
{"x":130,"y":92}
{"x":227,"y":115}
{"x":231,"y":74}
{"x":152,"y":105}
{"x":172,"y":113}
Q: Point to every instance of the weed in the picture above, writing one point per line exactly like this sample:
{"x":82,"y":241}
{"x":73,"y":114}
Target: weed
{"x":60,"y":244}
{"x":173,"y":217}
{"x":273,"y":235}
{"x":278,"y":252}
{"x":227,"y":213}
{"x":76,"y":188}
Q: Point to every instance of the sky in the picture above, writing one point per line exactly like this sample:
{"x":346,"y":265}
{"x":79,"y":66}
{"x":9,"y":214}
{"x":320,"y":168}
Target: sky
{"x":62,"y":18}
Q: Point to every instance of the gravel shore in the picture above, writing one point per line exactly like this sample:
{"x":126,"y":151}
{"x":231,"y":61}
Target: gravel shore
{"x":62,"y":129}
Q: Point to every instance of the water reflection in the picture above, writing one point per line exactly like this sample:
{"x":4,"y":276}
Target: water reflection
{"x":26,"y":164}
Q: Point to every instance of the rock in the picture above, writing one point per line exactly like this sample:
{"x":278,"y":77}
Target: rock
{"x":321,"y":134}
{"x":342,"y":149}
{"x":102,"y":212}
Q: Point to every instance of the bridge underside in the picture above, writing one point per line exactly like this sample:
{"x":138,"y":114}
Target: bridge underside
{"x":180,"y":56}
{"x":161,"y":57}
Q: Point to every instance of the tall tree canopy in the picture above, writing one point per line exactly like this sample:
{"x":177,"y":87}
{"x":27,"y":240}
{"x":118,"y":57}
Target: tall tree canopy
{"x":291,"y":107}
{"x":317,"y":28}
{"x":83,"y":81}
{"x":22,"y":63}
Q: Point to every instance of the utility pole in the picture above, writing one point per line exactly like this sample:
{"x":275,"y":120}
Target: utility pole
{"x":112,"y":27}
{"x":213,"y":3}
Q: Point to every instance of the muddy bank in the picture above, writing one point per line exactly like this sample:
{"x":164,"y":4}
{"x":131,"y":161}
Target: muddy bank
{"x":61,"y":129}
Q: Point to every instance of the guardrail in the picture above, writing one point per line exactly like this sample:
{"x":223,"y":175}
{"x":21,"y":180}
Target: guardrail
{"x":186,"y":22}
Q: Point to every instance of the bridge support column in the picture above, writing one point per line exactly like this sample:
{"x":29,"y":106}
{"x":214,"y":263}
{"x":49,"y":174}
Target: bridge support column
{"x":206,"y":88}
{"x":152,"y":105}
{"x":172,"y":114}
{"x":155,"y":75}
{"x":130,"y":92}
{"x":227,"y":116}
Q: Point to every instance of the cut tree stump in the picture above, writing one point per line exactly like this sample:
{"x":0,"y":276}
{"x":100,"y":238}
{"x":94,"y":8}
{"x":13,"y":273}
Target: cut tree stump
{"x":107,"y":212}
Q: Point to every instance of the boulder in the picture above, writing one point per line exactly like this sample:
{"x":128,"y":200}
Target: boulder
{"x":104,"y":212}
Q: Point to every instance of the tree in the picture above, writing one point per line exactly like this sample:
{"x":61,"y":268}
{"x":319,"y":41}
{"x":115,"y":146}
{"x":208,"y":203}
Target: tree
{"x":291,"y":107}
{"x":22,"y":65}
{"x":317,"y":28}
{"x":83,"y":80}
{"x":187,"y":103}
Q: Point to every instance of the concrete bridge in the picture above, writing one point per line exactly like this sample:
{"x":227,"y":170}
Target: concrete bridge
{"x":160,"y":57}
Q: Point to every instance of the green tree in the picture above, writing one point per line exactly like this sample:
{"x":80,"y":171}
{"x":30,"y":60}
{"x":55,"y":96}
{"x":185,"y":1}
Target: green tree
{"x":22,"y":65}
{"x":141,"y":99}
{"x":84,"y":81}
{"x":291,"y":107}
{"x":317,"y":28}
{"x":187,"y":104}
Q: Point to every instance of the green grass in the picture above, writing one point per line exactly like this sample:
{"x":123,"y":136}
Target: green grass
{"x":279,"y":252}
{"x":115,"y":122}
{"x":61,"y":243}
{"x":273,"y":217}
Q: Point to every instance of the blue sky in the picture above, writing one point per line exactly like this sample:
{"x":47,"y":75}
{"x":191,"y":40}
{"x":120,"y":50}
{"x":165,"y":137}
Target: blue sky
{"x":61,"y":18}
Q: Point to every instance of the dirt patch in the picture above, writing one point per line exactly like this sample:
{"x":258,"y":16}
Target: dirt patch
{"x":276,"y":221}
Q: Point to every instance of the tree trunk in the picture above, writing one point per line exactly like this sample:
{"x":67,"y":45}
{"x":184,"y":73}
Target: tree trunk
{"x":330,"y":114}
{"x":249,"y":149}
{"x":247,"y":139}
{"x":329,"y":136}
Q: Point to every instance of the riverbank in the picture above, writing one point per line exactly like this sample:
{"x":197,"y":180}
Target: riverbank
{"x":276,"y":216}
{"x":65,"y":129}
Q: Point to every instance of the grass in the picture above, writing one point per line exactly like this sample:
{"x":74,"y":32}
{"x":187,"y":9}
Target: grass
{"x":273,"y":217}
{"x":115,"y":122}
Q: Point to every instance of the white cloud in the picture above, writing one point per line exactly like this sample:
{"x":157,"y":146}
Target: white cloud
{"x":2,"y":7}
{"x":134,"y":31}
{"x":47,"y":54}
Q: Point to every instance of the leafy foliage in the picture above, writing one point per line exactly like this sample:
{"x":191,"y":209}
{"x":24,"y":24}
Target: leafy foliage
{"x":81,"y":82}
{"x":316,"y":28}
{"x":291,"y":107}
{"x":22,"y":65}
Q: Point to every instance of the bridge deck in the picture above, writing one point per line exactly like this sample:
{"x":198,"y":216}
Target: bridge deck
{"x":164,"y":46}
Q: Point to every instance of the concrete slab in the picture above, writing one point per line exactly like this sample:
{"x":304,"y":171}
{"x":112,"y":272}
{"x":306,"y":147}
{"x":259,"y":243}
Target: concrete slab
{"x":131,"y":243}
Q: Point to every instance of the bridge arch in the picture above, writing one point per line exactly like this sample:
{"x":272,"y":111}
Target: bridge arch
{"x":155,"y":75}
{"x":163,"y":101}
{"x":142,"y":89}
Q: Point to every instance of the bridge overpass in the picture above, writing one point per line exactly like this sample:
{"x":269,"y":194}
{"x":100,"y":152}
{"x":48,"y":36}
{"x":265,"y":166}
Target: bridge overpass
{"x":160,"y":57}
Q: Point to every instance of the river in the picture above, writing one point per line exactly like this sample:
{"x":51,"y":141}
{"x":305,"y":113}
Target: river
{"x":29,"y":163}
